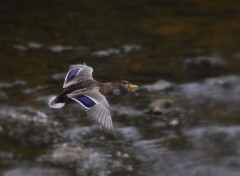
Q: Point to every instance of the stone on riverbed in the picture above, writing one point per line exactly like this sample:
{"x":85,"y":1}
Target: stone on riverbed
{"x":161,"y":106}
{"x":65,"y":153}
{"x":167,"y":111}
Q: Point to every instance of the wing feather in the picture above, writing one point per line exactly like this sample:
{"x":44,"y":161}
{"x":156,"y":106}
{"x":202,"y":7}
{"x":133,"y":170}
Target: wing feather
{"x":103,"y":120}
{"x":100,"y":116}
{"x":99,"y":111}
{"x":77,"y":73}
{"x":94,"y":112}
{"x":110,"y":125}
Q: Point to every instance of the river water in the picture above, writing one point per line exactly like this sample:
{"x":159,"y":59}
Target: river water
{"x":183,"y":120}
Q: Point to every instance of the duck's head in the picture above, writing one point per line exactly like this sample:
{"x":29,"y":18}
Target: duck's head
{"x":126,"y":86}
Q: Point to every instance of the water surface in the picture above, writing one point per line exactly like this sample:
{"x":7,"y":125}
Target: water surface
{"x":194,"y":45}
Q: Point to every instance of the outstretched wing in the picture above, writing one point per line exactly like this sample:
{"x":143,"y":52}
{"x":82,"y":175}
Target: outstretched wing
{"x":77,"y":73}
{"x":96,"y":106}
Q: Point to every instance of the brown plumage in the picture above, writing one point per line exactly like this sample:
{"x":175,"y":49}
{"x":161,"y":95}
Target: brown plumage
{"x":80,"y":87}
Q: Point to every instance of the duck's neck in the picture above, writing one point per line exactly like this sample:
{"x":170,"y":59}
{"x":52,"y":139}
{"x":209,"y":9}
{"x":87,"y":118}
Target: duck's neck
{"x":107,"y":88}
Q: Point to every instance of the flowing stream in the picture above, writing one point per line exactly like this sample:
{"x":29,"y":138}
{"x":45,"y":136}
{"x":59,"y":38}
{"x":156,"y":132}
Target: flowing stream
{"x":183,"y":120}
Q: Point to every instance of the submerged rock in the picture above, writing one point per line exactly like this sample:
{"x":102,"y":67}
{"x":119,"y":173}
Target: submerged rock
{"x":167,"y":111}
{"x":203,"y":62}
{"x":3,"y":95}
{"x":131,"y":48}
{"x":206,"y":140}
{"x":35,"y":89}
{"x":28,"y":126}
{"x":84,"y":161}
{"x":161,"y":106}
{"x":20,"y":47}
{"x":88,"y":160}
{"x":126,"y":110}
{"x":129,"y":133}
{"x":6,"y":157}
{"x":76,"y":133}
{"x":65,"y":153}
{"x":17,"y":83}
{"x":122,"y":50}
{"x":60,"y":48}
{"x":59,"y":76}
{"x":106,"y":53}
{"x":29,"y":46}
{"x":34,"y":45}
{"x":214,"y":99}
{"x":221,"y":90}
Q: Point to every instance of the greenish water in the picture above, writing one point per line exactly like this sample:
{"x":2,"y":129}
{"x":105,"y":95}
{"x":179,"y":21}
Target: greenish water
{"x":169,"y":32}
{"x":140,"y":41}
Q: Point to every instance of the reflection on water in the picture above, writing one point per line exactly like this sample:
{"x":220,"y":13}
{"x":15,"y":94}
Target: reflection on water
{"x":184,"y":120}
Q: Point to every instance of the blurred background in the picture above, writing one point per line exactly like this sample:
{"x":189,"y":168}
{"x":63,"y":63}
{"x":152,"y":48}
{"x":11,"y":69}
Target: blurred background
{"x":183,"y":120}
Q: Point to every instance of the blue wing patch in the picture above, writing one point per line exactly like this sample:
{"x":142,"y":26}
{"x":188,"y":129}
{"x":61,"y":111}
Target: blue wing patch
{"x":72,"y":74}
{"x":86,"y":101}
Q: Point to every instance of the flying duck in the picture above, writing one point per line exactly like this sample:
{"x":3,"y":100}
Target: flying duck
{"x":79,"y":86}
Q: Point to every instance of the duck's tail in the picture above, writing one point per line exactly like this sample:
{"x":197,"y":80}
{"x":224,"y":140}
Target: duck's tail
{"x":53,"y":103}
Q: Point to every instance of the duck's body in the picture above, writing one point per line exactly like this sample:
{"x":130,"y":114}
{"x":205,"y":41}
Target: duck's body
{"x":80,"y":87}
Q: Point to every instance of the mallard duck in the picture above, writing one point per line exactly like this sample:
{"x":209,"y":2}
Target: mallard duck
{"x":80,"y":87}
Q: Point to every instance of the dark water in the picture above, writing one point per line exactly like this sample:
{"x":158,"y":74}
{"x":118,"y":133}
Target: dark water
{"x":188,"y":125}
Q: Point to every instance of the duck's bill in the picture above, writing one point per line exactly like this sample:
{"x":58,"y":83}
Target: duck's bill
{"x":132,"y":87}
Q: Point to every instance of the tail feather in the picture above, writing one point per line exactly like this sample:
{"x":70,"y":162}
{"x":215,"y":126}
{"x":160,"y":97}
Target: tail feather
{"x":53,"y":104}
